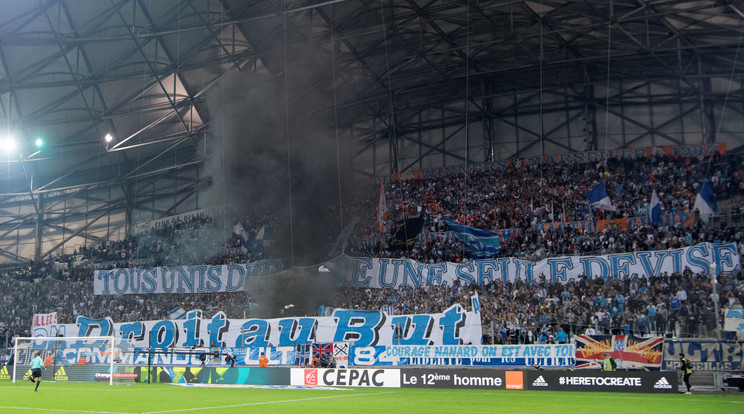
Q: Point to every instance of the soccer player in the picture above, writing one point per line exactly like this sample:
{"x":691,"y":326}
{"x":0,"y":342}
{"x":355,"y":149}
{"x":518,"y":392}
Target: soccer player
{"x":36,"y":365}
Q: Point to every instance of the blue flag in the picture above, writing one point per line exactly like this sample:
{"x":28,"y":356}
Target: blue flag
{"x":705,"y":202}
{"x":654,"y":209}
{"x":479,"y":244}
{"x":598,"y":198}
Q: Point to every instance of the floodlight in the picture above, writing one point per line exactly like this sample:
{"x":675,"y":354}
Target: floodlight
{"x":39,"y":142}
{"x":108,"y":138}
{"x":7,"y":144}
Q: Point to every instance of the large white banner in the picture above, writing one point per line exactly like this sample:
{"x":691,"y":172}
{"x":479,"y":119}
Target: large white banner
{"x":394,"y":273}
{"x":181,"y":279}
{"x":454,"y":326}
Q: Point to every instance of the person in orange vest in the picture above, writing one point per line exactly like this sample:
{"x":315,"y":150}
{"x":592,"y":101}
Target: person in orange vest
{"x":263,"y":362}
{"x":48,"y":361}
{"x":82,"y":360}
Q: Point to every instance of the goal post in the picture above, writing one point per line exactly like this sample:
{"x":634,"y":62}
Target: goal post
{"x":70,"y":358}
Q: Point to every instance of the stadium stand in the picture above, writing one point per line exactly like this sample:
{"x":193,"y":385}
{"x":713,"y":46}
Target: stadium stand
{"x":518,"y":198}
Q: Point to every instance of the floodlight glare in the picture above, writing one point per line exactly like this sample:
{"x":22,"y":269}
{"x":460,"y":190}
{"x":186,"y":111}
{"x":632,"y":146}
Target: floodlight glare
{"x":39,"y":142}
{"x":7,"y":144}
{"x":108,"y":138}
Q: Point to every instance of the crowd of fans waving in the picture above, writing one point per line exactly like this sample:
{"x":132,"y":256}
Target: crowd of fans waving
{"x":512,"y":198}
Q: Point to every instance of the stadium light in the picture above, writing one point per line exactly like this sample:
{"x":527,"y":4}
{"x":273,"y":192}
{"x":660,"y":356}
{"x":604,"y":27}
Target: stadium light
{"x":108,"y":141}
{"x":39,"y":142}
{"x":8,"y":144}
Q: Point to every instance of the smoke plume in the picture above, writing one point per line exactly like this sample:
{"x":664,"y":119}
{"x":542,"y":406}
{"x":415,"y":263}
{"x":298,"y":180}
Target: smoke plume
{"x":274,"y":151}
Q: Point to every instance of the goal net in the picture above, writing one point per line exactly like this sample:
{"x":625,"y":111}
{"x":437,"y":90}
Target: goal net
{"x":73,"y":359}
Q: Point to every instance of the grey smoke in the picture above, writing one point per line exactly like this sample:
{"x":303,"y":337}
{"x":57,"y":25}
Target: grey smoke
{"x":274,"y":151}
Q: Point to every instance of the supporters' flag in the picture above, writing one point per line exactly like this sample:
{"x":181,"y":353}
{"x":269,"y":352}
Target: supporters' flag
{"x":177,"y":313}
{"x":654,"y":209}
{"x":382,"y":210}
{"x":645,"y":353}
{"x":598,"y":198}
{"x":44,"y":319}
{"x":263,"y":237}
{"x":341,"y":354}
{"x":322,"y":350}
{"x":705,"y":202}
{"x":242,"y":234}
{"x":479,"y":244}
{"x":302,"y":354}
{"x":405,"y":233}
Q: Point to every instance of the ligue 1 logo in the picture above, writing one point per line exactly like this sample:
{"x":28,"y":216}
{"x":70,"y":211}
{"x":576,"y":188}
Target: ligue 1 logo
{"x":311,"y":377}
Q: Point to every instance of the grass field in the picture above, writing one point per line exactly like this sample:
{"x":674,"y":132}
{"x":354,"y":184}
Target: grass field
{"x":164,"y":398}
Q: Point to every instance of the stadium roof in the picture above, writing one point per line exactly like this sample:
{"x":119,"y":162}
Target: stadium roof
{"x":386,"y":73}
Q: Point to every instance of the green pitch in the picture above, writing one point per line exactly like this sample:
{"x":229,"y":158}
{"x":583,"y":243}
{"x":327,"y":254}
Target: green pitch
{"x":70,"y":397}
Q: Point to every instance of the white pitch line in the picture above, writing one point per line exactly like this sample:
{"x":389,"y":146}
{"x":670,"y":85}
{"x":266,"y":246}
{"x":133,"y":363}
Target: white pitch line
{"x":61,"y":410}
{"x":262,"y":403}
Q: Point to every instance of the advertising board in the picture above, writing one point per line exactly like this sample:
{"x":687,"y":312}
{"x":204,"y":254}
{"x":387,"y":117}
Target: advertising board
{"x":330,"y":377}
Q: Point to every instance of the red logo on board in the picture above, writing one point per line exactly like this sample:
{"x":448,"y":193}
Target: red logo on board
{"x":311,"y":377}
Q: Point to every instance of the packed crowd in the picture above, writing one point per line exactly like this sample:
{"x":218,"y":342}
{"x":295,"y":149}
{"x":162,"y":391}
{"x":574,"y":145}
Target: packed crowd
{"x":189,"y":240}
{"x":515,"y":198}
{"x":677,"y":305}
{"x":525,"y":196}
{"x":530,"y":197}
{"x":63,"y":283}
{"x":534,"y":245}
{"x":19,"y":300}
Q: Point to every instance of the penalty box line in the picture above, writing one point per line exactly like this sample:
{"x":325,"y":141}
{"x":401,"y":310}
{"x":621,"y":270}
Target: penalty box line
{"x":263,"y":403}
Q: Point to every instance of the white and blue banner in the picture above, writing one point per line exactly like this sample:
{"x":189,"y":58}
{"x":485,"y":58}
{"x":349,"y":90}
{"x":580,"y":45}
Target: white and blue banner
{"x":97,"y":354}
{"x":181,"y":279}
{"x":704,"y":354}
{"x":733,"y":320}
{"x":464,"y":355}
{"x":454,"y":326}
{"x":394,"y":273}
